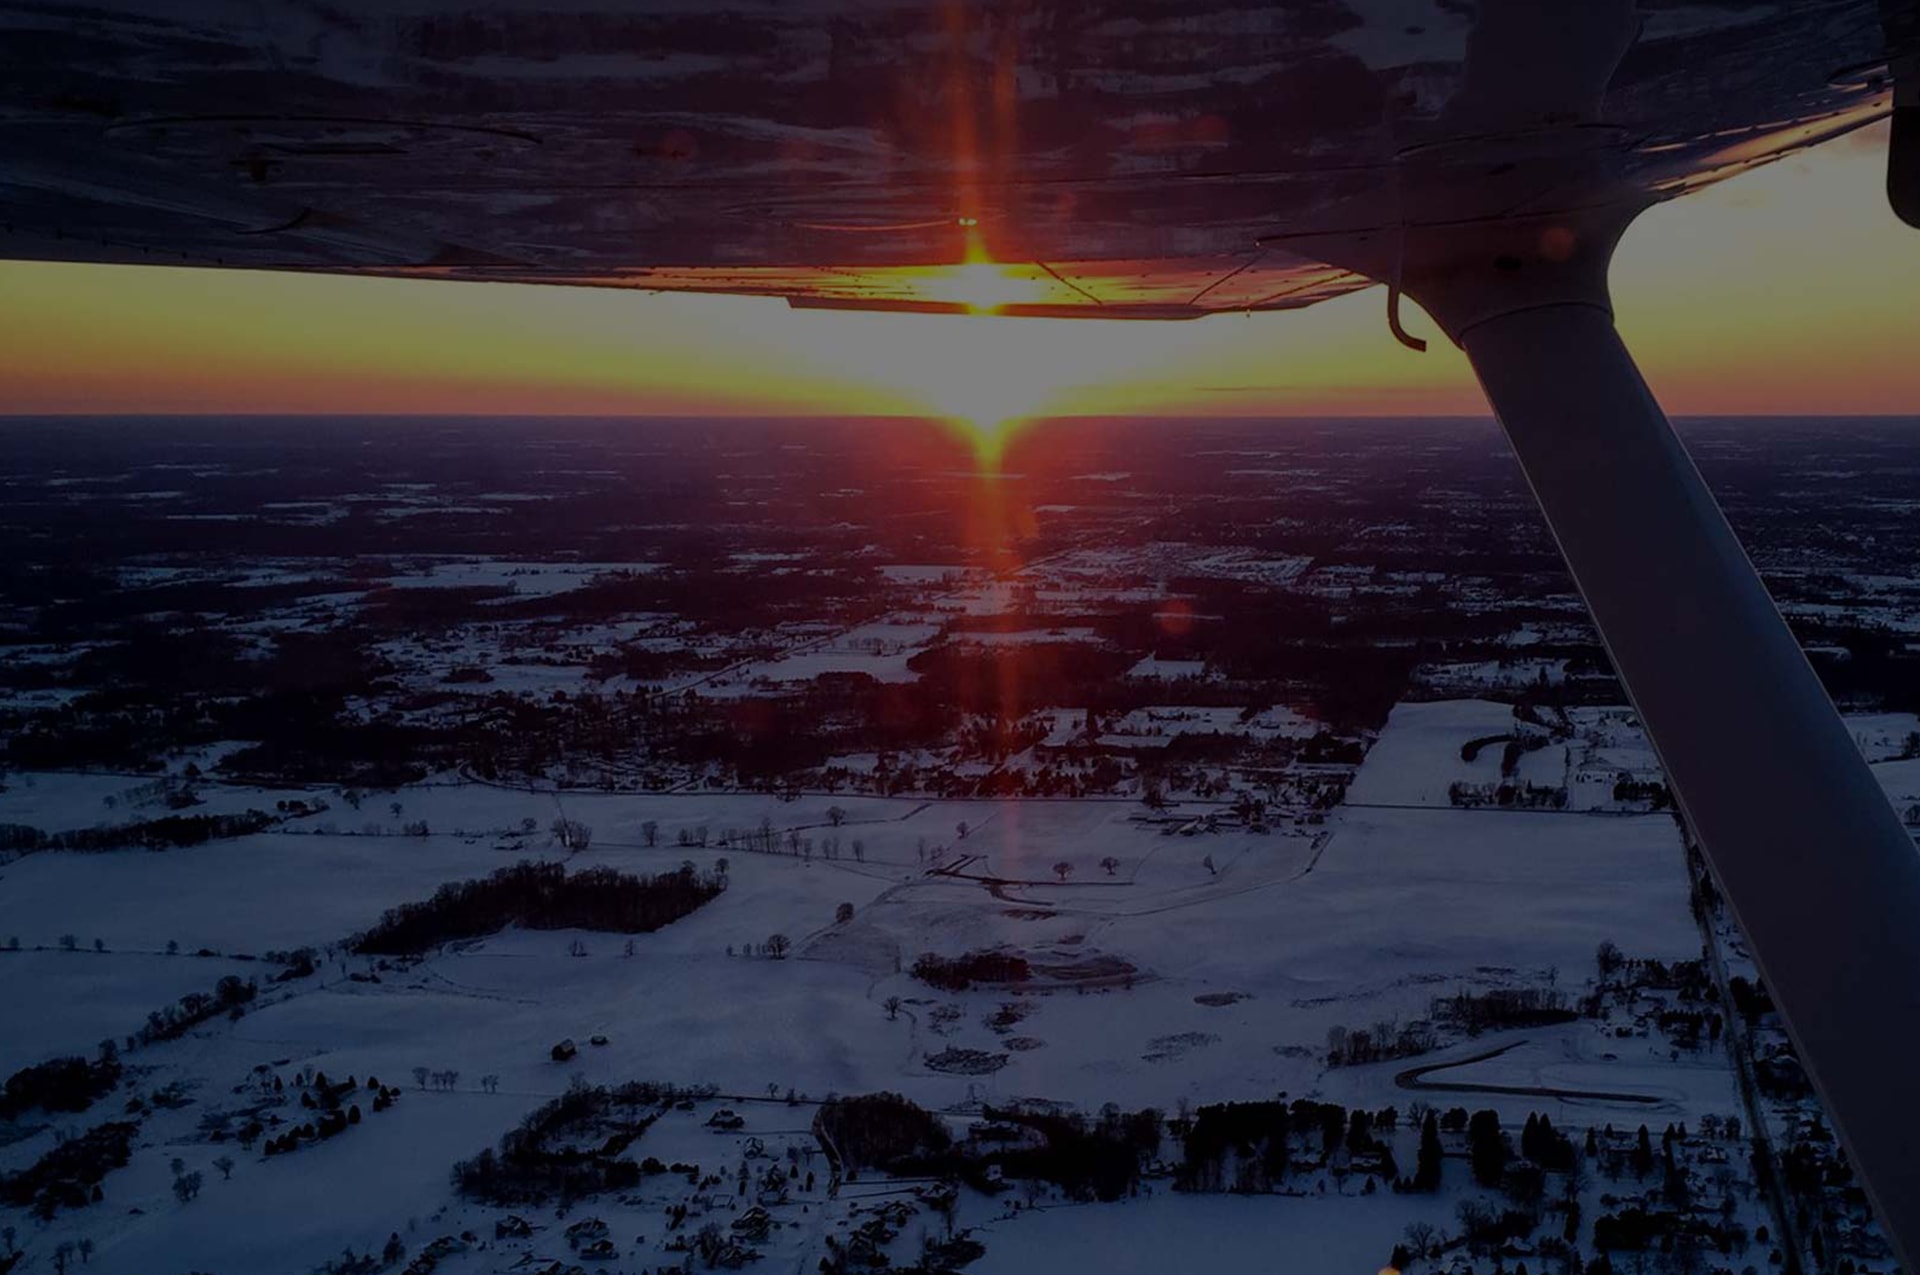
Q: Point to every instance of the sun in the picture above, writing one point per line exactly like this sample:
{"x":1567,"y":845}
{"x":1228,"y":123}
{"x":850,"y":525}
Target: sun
{"x":985,"y":287}
{"x":986,"y":376}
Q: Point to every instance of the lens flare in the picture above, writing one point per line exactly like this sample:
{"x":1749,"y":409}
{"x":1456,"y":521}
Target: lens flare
{"x":986,"y":287}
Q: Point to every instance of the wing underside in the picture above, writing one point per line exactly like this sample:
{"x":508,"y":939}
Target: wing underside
{"x":1129,"y":158}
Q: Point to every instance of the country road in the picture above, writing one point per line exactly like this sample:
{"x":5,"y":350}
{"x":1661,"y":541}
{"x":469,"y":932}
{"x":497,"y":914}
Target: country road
{"x":1414,"y":1078}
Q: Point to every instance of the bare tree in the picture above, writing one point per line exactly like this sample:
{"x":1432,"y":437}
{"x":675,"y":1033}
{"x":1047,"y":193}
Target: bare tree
{"x":892,"y":1006}
{"x":836,"y":816}
{"x":843,"y":914}
{"x":1111,"y":864}
{"x":85,"y":1246}
{"x":420,"y":1076}
{"x":650,"y":833}
{"x":1063,"y":870}
{"x":225,"y":1165}
{"x":777,"y":945}
{"x":186,"y":1186}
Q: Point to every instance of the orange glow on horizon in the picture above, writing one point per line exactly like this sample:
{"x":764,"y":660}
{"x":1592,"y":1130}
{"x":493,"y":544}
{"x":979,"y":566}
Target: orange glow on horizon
{"x":1784,"y":291}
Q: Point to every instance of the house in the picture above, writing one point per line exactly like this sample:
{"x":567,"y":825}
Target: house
{"x":588,"y":1228}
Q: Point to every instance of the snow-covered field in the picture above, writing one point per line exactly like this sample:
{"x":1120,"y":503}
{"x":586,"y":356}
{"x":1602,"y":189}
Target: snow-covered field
{"x":1172,"y":964}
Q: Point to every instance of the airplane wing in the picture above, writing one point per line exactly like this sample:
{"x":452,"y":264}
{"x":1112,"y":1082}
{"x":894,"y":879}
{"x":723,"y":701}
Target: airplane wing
{"x":1120,"y":158}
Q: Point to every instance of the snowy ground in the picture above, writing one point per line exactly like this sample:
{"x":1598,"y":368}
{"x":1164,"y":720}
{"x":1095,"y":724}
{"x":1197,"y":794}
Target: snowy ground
{"x":1197,"y":966}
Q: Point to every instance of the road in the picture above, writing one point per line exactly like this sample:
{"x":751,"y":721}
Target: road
{"x":1415,"y":1078}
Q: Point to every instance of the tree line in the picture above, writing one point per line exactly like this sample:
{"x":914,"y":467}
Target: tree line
{"x":60,"y":1084}
{"x":571,"y":1147}
{"x":170,"y":832}
{"x":541,"y":896}
{"x":958,"y":973}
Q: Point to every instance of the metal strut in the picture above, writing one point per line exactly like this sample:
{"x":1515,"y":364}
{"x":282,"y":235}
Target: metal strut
{"x":1820,"y":872}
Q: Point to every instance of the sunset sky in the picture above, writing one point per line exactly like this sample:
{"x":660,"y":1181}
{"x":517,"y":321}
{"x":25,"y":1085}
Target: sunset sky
{"x":1789,"y":290}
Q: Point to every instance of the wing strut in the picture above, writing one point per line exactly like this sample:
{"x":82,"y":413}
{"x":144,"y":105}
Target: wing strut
{"x":1819,"y":871}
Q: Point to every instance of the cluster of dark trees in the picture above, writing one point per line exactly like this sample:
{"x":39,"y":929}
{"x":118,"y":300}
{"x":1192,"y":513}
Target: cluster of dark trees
{"x":69,"y":1175}
{"x":166,"y":833}
{"x":1545,"y":1145}
{"x":1632,"y":1229}
{"x":1426,"y":1171}
{"x":1501,"y":1007}
{"x":1654,"y":793}
{"x":541,"y":896}
{"x":1383,"y":1041}
{"x":326,"y":1126}
{"x":331,"y":1100}
{"x":1247,"y":1147}
{"x":1236,"y":1146}
{"x":571,"y":1147}
{"x":1507,"y":795}
{"x":1751,"y":999}
{"x":881,"y":1131}
{"x":228,"y":996}
{"x":1097,"y":1159}
{"x":60,"y":1084}
{"x":1489,"y":1150}
{"x":958,"y":973}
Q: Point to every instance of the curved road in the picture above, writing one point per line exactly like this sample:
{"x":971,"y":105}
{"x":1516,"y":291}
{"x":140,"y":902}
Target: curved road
{"x":1414,"y":1078}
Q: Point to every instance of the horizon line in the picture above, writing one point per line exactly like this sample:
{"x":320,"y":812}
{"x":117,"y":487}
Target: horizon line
{"x":7,"y":418}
